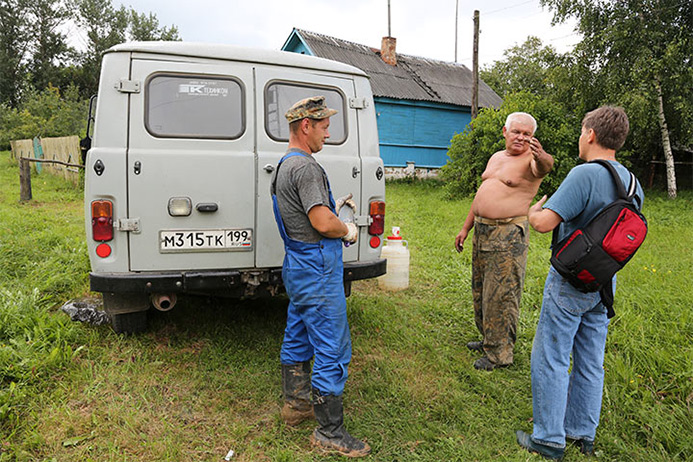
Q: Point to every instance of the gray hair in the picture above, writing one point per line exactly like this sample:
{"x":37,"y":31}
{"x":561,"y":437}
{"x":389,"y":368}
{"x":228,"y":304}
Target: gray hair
{"x":518,"y":115}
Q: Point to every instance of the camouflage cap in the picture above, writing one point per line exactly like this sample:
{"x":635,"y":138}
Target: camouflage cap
{"x":311,"y":108}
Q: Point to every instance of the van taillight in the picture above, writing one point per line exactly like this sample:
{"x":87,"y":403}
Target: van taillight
{"x":377,"y":213}
{"x":102,"y":220}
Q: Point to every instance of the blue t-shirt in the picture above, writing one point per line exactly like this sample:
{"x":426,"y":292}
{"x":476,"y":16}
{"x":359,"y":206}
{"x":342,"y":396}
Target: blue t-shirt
{"x":586,"y":190}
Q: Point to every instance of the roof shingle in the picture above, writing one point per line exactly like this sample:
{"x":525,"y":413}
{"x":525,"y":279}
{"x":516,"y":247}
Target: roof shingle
{"x":413,"y":78}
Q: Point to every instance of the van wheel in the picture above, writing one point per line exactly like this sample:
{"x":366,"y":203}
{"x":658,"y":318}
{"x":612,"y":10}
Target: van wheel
{"x":129,"y":323}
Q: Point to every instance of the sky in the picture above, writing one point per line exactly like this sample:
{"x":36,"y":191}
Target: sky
{"x":424,"y":28}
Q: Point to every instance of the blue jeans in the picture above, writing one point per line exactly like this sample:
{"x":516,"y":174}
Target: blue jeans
{"x":568,"y":404}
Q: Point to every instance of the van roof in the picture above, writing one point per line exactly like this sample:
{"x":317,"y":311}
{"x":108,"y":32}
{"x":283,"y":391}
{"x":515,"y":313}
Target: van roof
{"x":235,"y":53}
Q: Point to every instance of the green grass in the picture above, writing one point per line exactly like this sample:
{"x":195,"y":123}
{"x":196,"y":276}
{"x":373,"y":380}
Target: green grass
{"x":205,"y":377}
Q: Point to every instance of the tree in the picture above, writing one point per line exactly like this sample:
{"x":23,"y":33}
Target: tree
{"x":49,"y":47}
{"x":528,"y":67}
{"x":641,"y":51}
{"x":144,"y":27}
{"x":14,"y":45}
{"x":105,"y":27}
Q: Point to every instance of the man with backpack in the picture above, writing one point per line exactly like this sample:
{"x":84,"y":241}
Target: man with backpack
{"x":567,"y":406}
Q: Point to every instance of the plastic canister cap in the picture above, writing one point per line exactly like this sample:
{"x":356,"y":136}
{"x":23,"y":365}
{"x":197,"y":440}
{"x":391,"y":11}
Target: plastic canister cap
{"x":395,"y":234}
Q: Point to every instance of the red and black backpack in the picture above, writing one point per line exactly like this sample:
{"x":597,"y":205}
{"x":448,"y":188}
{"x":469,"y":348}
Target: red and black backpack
{"x":590,"y":256}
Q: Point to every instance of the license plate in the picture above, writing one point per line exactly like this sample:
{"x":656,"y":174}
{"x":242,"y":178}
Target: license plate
{"x":205,"y":240}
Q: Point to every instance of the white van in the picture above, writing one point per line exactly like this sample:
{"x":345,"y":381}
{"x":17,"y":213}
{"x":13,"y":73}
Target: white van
{"x":186,"y":137}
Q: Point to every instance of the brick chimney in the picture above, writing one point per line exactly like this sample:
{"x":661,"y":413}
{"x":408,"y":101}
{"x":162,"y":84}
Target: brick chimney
{"x":387,"y":50}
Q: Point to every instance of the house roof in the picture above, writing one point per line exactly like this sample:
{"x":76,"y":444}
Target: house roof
{"x":413,"y":78}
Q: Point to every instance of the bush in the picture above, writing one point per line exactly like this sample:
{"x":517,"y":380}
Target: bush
{"x":557,"y":130}
{"x":44,"y":114}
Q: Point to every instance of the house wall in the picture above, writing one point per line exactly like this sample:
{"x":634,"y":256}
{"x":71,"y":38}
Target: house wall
{"x":419,"y":132}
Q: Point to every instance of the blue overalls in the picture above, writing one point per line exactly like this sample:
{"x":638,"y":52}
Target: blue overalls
{"x":316,"y":322}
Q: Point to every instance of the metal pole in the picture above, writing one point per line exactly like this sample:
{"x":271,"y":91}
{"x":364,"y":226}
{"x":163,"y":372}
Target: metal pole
{"x":457,"y":9}
{"x":389,"y":32}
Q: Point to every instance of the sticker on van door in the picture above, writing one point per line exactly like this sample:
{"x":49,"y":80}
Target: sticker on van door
{"x":205,"y":240}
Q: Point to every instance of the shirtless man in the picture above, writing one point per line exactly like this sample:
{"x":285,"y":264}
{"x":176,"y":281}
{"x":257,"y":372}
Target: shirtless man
{"x":501,"y":237}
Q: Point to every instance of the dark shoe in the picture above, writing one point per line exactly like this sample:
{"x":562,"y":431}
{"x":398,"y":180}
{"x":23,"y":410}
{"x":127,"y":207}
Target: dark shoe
{"x":486,"y":364}
{"x":331,"y":434}
{"x":549,"y":452}
{"x":476,"y":346}
{"x":296,"y":389}
{"x":586,"y":446}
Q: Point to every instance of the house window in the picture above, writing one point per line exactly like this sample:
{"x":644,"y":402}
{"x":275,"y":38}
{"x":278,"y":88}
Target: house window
{"x":194,"y":107}
{"x":279,"y":97}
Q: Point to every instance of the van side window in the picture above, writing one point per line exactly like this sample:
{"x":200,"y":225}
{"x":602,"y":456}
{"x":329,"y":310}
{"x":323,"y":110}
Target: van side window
{"x":279,"y":97}
{"x":194,"y":107}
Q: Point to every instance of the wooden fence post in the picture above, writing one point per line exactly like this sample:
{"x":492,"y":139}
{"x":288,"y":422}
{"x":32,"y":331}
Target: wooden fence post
{"x":24,"y":180}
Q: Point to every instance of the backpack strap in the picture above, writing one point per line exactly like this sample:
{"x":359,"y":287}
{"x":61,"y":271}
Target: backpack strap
{"x":620,"y":189}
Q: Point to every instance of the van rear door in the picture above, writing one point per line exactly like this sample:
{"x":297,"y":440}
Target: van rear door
{"x":190,"y":165}
{"x":278,"y":89}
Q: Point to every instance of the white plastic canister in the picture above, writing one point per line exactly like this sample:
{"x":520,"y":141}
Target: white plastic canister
{"x":396,"y":251}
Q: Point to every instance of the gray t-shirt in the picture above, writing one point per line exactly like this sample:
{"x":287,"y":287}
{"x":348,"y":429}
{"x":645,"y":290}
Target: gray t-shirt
{"x":300,"y":184}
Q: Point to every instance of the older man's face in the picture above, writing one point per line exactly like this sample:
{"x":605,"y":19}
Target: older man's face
{"x":517,"y":137}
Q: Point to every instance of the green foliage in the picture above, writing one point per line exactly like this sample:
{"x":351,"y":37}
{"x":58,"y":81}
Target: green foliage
{"x":529,"y":67}
{"x":469,"y":151}
{"x":44,"y":114}
{"x":629,"y":49}
{"x":35,"y":53}
{"x":14,"y":45}
{"x":107,"y":26}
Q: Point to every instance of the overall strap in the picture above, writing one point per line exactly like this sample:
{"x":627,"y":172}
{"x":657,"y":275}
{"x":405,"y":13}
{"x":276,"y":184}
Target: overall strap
{"x":289,"y":154}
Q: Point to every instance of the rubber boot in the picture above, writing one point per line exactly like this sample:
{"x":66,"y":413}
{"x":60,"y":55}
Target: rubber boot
{"x":331,"y":434}
{"x":296,"y":389}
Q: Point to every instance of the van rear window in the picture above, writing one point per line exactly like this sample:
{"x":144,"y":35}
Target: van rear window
{"x":194,"y":107}
{"x":279,"y":97}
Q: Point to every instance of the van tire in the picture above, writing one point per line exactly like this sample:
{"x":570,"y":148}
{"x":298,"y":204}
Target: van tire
{"x":129,"y":323}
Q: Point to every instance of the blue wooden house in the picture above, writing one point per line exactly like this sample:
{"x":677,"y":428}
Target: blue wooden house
{"x":420,"y":103}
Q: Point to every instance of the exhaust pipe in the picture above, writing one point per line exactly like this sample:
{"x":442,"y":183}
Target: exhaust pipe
{"x":164,"y":302}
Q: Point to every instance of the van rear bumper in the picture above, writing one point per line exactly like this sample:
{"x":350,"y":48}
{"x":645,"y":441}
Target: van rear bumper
{"x":214,"y":280}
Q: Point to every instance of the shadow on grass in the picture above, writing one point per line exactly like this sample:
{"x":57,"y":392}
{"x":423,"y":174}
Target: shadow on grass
{"x":243,"y":321}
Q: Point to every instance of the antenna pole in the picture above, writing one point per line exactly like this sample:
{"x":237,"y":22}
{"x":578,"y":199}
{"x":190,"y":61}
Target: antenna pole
{"x":389,"y":32}
{"x":457,"y":9}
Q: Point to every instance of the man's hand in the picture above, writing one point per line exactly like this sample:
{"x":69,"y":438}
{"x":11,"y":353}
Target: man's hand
{"x":459,"y":240}
{"x":542,"y":161}
{"x":536,"y":147}
{"x":352,"y":233}
{"x":345,"y":200}
{"x":538,"y":207}
{"x":541,"y":219}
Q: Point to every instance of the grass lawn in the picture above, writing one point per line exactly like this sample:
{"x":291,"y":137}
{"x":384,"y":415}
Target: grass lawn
{"x":205,"y":378}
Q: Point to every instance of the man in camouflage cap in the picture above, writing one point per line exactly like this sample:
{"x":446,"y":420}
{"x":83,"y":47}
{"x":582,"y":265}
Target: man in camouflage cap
{"x":313,"y":274}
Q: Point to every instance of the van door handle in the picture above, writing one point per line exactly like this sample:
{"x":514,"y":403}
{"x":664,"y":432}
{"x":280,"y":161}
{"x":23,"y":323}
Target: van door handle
{"x":207,"y":207}
{"x":355,"y":172}
{"x":269,"y":168}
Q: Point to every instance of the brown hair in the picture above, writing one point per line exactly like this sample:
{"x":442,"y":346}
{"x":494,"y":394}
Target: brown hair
{"x":294,"y":126}
{"x":610,"y":125}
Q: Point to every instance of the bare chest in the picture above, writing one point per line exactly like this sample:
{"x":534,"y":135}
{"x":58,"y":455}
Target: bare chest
{"x":511,"y":171}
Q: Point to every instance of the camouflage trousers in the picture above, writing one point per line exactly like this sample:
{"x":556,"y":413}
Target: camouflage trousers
{"x":499,"y":258}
